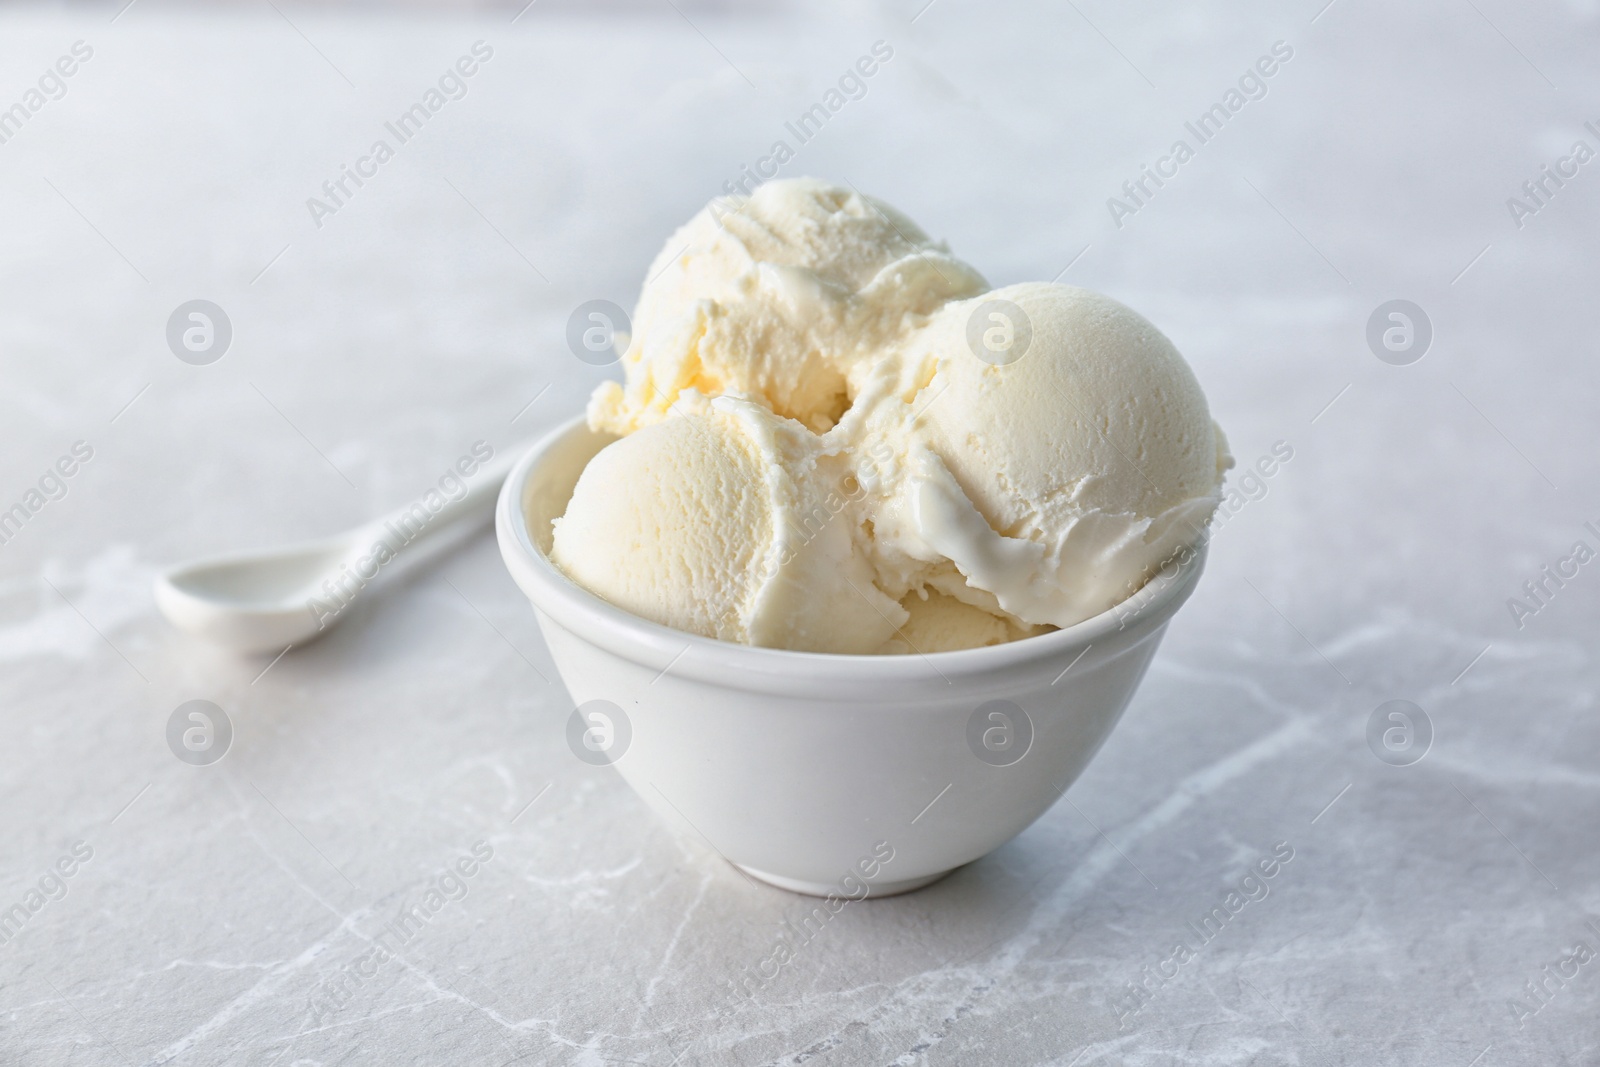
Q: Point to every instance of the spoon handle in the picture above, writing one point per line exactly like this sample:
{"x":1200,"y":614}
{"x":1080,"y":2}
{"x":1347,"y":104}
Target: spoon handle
{"x":434,"y":513}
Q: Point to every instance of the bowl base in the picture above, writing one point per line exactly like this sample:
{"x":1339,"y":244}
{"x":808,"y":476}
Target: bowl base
{"x":825,"y":889}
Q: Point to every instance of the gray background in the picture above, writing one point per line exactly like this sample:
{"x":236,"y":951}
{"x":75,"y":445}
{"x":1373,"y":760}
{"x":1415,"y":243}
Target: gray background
{"x":428,"y":313}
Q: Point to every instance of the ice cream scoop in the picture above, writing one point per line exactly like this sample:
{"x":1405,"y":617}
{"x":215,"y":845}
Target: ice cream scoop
{"x":732,"y":523}
{"x":778,"y":297}
{"x":1056,"y":476}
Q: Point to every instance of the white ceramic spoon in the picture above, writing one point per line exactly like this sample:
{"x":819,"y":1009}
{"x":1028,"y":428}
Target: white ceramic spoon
{"x":269,"y":599}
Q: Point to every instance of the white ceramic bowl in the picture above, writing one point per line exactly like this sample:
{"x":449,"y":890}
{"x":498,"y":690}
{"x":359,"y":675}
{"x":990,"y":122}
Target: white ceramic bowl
{"x":827,"y":774}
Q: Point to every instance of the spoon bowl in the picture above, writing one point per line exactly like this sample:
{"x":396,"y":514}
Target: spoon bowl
{"x":252,"y":602}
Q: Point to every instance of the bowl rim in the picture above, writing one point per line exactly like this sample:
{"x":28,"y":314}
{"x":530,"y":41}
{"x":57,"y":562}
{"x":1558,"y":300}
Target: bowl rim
{"x":661,"y":647}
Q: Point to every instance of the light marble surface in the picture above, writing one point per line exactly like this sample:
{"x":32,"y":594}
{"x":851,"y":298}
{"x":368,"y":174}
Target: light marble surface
{"x":219,"y":902}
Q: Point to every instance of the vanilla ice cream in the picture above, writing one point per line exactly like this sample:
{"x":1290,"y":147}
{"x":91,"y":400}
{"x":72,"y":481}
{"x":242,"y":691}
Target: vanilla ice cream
{"x":777,"y":297}
{"x":835,"y":438}
{"x":1056,"y":484}
{"x":730,"y":524}
{"x":939,"y":623}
